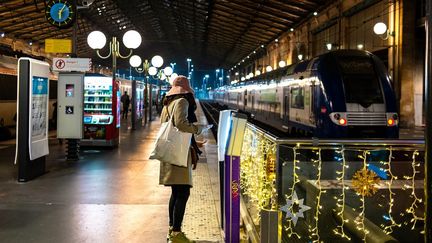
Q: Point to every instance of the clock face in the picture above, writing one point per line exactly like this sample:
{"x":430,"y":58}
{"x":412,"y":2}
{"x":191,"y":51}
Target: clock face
{"x":60,"y":13}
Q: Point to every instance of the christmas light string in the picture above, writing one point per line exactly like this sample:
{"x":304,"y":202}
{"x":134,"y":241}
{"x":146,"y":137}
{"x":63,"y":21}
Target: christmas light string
{"x":290,"y":228}
{"x":388,"y":229}
{"x":414,"y":205}
{"x":340,"y":202}
{"x":361,"y":217}
{"x":314,"y":232}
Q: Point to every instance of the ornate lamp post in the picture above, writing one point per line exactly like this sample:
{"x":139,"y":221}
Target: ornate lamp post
{"x":150,"y":70}
{"x":97,"y":40}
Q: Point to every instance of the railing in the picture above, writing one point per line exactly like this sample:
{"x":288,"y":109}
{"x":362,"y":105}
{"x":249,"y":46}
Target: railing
{"x":333,"y":190}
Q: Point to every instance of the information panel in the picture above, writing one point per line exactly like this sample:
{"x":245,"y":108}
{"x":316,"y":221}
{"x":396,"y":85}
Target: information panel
{"x":39,"y":101}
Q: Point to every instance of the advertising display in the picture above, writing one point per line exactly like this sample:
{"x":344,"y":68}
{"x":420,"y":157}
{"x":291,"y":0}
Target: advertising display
{"x":32,"y":118}
{"x":100,"y":111}
{"x":139,"y":94}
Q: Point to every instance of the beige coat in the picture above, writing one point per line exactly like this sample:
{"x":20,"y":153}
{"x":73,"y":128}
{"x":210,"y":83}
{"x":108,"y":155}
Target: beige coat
{"x":171,"y":174}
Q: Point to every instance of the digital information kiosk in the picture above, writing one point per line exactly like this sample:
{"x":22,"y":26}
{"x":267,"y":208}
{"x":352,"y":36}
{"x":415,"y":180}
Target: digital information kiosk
{"x":32,"y":118}
{"x":231,"y":130}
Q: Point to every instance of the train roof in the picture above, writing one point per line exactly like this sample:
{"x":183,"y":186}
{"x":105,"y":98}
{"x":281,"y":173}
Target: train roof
{"x":301,"y":66}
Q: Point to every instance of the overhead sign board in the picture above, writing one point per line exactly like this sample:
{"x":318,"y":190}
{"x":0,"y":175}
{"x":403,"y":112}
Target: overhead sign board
{"x":58,"y":46}
{"x":72,"y":64}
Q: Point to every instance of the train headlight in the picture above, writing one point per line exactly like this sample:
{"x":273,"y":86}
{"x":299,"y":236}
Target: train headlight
{"x":339,"y":118}
{"x":392,"y":119}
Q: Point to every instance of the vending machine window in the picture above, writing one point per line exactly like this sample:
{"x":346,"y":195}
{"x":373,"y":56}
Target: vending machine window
{"x":99,"y":109}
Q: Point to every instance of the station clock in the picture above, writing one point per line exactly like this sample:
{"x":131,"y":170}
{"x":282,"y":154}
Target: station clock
{"x":60,"y":13}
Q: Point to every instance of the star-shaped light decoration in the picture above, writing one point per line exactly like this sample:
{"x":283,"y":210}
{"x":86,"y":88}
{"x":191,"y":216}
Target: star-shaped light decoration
{"x":294,"y":208}
{"x":365,"y":182}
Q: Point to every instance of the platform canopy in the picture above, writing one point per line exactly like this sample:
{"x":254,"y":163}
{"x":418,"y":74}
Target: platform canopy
{"x":214,"y":33}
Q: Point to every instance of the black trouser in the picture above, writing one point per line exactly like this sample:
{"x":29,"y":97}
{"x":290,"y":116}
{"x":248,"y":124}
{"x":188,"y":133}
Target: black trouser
{"x":177,"y":205}
{"x":125,"y":111}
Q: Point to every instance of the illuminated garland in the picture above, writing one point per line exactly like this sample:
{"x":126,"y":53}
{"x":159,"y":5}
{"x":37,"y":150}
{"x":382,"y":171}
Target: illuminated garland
{"x":389,"y":228}
{"x":290,"y":228}
{"x":257,"y":173}
{"x":414,"y":205}
{"x":361,"y":218}
{"x":315,"y":231}
{"x":340,"y":202}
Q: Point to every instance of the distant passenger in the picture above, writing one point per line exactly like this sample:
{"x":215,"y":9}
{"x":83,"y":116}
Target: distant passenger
{"x":180,"y":178}
{"x":126,"y":101}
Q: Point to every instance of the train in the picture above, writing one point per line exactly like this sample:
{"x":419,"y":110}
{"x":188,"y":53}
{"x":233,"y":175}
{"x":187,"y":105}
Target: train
{"x":339,"y":94}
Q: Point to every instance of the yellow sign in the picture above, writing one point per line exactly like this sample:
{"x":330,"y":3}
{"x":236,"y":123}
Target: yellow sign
{"x":58,"y":45}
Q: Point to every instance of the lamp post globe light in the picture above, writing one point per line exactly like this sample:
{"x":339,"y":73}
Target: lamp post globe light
{"x":380,"y":28}
{"x":157,"y":61}
{"x":168,"y":71}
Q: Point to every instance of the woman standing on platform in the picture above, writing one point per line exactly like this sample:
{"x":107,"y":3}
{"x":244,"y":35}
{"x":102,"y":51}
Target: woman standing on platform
{"x":180,"y":97}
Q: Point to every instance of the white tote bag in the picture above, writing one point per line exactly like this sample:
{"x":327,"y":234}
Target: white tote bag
{"x":172,"y":146}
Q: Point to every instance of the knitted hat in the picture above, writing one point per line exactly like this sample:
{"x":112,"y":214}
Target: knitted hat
{"x":180,"y":85}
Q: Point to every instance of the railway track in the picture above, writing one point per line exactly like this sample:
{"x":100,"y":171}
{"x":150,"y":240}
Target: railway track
{"x":211,"y":110}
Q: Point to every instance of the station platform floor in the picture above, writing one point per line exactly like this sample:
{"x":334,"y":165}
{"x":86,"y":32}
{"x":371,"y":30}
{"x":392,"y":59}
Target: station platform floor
{"x":109,"y":195}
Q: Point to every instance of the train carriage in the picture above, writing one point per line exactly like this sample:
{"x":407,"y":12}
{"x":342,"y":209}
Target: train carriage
{"x":340,"y":94}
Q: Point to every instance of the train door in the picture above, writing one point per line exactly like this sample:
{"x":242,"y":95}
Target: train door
{"x":245,"y":97}
{"x":253,"y":100}
{"x":312,"y":104}
{"x":286,"y":109}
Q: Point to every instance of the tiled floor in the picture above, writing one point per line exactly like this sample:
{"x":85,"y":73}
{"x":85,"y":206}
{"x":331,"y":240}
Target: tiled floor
{"x":106,"y":196}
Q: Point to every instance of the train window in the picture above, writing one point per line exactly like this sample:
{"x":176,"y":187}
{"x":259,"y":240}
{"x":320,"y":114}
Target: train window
{"x":297,"y":97}
{"x":8,"y":87}
{"x":360,"y":81}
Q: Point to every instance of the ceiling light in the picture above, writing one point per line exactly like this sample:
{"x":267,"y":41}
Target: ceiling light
{"x":276,"y":40}
{"x":118,"y":21}
{"x":292,"y":29}
{"x":315,"y":13}
{"x":360,"y":46}
{"x":282,"y":64}
{"x":257,"y":72}
{"x":262,"y":46}
{"x":30,"y":43}
{"x":329,"y":46}
{"x":254,"y":52}
{"x":300,"y":57}
{"x":269,"y":68}
{"x":2,"y":34}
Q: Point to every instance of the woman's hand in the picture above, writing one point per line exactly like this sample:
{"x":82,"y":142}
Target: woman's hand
{"x":200,"y":144}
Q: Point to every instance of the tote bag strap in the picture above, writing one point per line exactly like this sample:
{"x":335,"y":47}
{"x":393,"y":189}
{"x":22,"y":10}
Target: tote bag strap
{"x":174,"y":108}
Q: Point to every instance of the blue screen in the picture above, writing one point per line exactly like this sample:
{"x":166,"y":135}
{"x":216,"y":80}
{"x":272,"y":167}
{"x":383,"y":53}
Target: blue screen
{"x":40,"y":86}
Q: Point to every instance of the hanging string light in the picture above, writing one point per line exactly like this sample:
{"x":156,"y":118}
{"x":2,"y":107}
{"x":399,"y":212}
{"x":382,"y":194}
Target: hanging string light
{"x":340,"y":202}
{"x":388,"y":229}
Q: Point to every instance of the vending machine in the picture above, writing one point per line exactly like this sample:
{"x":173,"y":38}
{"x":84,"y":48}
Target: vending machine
{"x":101,"y":111}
